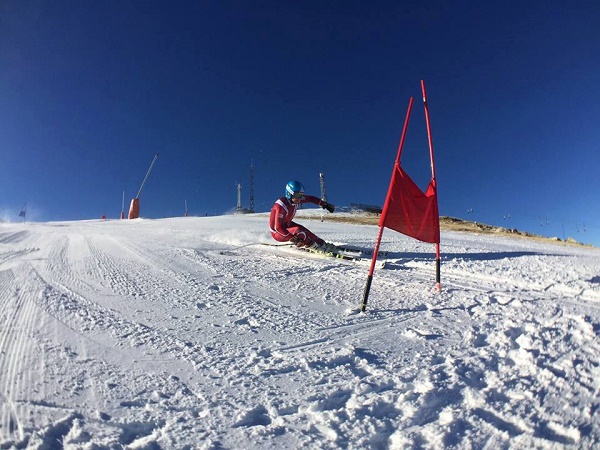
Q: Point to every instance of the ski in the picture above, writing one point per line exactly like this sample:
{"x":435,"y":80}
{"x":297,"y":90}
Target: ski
{"x":341,"y":255}
{"x":354,"y":251}
{"x":359,"y":250}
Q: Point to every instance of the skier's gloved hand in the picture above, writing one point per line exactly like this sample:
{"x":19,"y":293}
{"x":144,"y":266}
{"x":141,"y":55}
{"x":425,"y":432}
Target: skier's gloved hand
{"x":328,"y":206}
{"x":297,"y":242}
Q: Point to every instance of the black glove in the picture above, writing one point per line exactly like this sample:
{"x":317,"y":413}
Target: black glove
{"x":297,"y":242}
{"x":328,"y":206}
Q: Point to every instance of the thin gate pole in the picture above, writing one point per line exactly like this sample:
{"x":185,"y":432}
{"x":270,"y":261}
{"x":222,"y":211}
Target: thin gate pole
{"x":385,"y":211}
{"x":430,"y":140}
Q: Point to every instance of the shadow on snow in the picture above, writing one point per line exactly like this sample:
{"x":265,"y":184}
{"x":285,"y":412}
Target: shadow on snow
{"x":486,"y":256}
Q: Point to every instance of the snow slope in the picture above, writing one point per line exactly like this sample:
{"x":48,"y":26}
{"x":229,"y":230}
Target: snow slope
{"x":150,"y":334}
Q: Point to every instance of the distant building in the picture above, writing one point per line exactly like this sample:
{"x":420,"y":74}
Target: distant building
{"x":366,"y":208}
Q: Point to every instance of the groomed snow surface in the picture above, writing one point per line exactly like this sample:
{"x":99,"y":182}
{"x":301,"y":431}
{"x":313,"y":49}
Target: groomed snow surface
{"x":147,"y":334}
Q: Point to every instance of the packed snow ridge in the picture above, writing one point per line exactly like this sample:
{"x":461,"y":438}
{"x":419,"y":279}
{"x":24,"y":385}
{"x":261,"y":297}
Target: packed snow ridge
{"x":189,"y":333}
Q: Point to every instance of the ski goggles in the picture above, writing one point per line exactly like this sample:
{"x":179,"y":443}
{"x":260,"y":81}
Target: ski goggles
{"x":298,"y":195}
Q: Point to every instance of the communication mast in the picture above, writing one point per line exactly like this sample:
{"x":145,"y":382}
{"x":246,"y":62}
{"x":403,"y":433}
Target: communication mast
{"x":239,"y":197}
{"x":123,"y":207}
{"x":323,"y":193}
{"x":251,"y":187}
{"x":23,"y":212}
{"x":239,"y":209}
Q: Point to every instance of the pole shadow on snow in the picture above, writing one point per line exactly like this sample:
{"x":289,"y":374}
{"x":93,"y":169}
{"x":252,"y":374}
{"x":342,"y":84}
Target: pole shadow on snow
{"x":419,"y":309}
{"x":397,"y":311}
{"x":486,"y":256}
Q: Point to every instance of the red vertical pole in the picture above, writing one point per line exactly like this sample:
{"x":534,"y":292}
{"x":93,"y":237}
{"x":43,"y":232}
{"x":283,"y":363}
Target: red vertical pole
{"x":430,"y":140}
{"x":385,"y":210}
{"x":404,"y":129}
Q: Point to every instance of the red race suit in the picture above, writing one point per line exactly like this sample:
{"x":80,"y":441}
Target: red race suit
{"x":282,"y":225}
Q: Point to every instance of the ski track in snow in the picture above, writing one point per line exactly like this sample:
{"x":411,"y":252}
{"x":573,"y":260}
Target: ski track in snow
{"x":176,"y":333}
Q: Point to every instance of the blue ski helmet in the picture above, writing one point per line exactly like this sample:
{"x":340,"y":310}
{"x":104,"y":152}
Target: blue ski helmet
{"x":294,"y":189}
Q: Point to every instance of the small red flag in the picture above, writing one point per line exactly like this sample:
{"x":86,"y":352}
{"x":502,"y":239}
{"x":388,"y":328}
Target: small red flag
{"x":409,"y":211}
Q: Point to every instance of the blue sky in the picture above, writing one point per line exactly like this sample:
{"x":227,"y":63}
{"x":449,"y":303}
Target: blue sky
{"x":90,"y":91}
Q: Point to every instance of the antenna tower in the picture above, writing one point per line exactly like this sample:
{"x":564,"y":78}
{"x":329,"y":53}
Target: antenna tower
{"x":251,"y":186}
{"x":323,"y":193}
{"x":23,"y":212}
{"x":239,"y":197}
{"x":123,"y":207}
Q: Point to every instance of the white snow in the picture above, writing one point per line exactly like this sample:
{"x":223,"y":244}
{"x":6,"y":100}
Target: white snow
{"x":167,"y":333}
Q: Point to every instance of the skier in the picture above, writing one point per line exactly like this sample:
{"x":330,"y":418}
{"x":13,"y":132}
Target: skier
{"x":282,"y":225}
